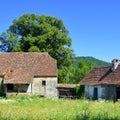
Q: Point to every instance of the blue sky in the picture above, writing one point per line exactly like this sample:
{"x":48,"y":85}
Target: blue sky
{"x":94,"y":25}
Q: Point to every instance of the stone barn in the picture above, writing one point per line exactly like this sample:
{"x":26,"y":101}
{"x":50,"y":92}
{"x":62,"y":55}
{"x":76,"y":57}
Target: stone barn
{"x":103,"y":82}
{"x":28,"y":73}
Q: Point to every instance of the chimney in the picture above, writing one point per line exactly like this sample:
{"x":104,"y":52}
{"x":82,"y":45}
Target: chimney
{"x":115,"y":63}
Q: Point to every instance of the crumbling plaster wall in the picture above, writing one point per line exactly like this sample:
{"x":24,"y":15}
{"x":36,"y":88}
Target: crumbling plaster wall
{"x":45,"y":86}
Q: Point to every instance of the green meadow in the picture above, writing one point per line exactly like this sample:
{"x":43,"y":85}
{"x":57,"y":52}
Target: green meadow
{"x":38,"y":108}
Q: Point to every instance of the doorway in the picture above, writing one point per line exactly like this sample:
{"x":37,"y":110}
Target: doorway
{"x":118,"y":93}
{"x":95,"y":93}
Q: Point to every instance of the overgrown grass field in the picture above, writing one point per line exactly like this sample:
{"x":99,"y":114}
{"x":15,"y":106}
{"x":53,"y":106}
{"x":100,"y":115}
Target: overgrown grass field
{"x":36,"y":108}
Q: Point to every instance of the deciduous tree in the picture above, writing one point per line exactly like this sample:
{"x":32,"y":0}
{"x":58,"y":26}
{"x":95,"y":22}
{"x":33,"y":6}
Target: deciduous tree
{"x":43,"y":34}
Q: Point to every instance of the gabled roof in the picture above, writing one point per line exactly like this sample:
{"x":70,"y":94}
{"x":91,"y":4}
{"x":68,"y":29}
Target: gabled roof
{"x":22,"y":67}
{"x":102,"y":76}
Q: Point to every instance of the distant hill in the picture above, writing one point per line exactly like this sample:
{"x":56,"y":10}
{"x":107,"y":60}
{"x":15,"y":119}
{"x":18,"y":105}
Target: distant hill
{"x":96,"y":62}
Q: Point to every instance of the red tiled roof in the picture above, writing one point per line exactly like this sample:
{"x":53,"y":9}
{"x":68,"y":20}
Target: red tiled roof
{"x":102,"y":75}
{"x":22,"y":67}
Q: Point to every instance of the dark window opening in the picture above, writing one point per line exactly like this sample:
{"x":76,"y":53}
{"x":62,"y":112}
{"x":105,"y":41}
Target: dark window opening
{"x":118,"y":93}
{"x":43,"y":83}
{"x":10,"y":87}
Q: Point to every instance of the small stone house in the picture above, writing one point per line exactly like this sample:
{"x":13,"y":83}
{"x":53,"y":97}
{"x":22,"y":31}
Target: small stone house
{"x":103,"y":82}
{"x":29,"y":73}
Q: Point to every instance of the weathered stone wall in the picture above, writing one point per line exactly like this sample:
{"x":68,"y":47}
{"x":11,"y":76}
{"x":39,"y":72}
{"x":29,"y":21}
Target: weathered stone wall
{"x":45,"y":86}
{"x":110,"y":92}
{"x":104,"y":92}
{"x":51,"y":87}
{"x":89,"y":92}
{"x":1,"y":80}
{"x":1,"y":86}
{"x":29,"y":89}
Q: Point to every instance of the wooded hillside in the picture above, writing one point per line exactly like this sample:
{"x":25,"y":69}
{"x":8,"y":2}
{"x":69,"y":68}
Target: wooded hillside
{"x":94,"y":61}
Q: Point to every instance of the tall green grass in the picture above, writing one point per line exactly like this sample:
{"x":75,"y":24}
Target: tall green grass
{"x":36,"y":108}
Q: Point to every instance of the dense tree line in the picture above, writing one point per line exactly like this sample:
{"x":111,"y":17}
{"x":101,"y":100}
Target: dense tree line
{"x":79,"y":71}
